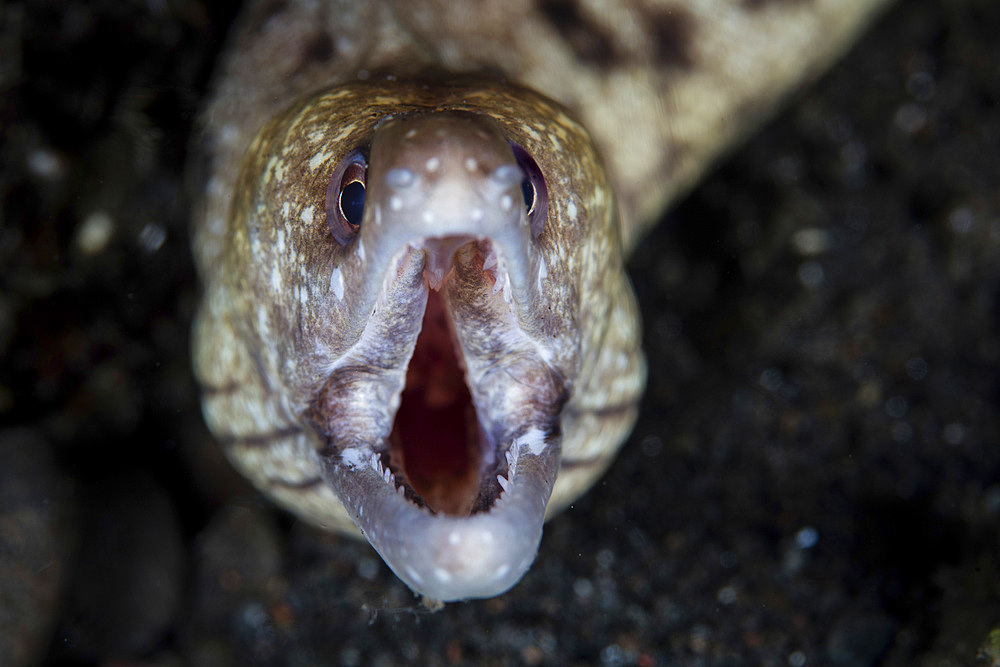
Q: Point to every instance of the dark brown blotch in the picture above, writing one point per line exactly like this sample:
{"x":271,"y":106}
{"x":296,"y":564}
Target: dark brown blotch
{"x":319,"y":49}
{"x":259,"y":439}
{"x":588,"y":40}
{"x":306,"y":484}
{"x":673,"y":32}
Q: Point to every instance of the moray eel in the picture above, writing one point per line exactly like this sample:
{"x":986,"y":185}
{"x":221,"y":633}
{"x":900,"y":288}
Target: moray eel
{"x":416,"y":321}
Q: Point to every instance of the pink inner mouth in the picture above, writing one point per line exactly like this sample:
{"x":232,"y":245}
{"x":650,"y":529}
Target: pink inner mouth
{"x":435,"y":435}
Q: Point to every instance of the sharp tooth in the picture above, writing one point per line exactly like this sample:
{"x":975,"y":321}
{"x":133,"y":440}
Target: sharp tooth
{"x":490,"y":262}
{"x":507,"y":297}
{"x":504,"y":482}
{"x":511,"y":463}
{"x":500,"y":282}
{"x":435,"y":276}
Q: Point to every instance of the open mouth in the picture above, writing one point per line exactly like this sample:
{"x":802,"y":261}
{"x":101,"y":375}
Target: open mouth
{"x":453,"y":493}
{"x":438,"y":448}
{"x":435,"y":433}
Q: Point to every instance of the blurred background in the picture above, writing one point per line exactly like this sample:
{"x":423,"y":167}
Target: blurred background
{"x":814,"y":480}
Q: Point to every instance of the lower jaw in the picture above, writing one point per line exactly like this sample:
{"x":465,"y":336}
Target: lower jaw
{"x":445,"y":557}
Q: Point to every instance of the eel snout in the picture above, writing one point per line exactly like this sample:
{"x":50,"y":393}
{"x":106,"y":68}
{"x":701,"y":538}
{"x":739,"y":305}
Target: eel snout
{"x":446,"y":448}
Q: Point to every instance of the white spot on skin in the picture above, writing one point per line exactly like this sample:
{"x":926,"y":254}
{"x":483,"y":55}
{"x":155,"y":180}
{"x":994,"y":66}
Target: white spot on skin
{"x":378,"y":215}
{"x":337,"y":283}
{"x":262,"y":324}
{"x":318,"y":160}
{"x":286,"y":208}
{"x":442,"y":575}
{"x":454,"y":538}
{"x":395,"y":203}
{"x":417,"y":579}
{"x":427,"y":216}
{"x":215,"y":187}
{"x":410,"y":134}
{"x":279,"y":241}
{"x":476,"y":214}
{"x":571,"y":210}
{"x":506,"y":202}
{"x":275,"y":279}
{"x":216,"y":225}
{"x":432,"y":164}
{"x":277,"y":169}
{"x":471,"y":164}
{"x":361,"y":251}
{"x":534,"y":440}
{"x":353,"y":457}
{"x":307,"y":215}
{"x":501,"y":571}
{"x":228,"y":135}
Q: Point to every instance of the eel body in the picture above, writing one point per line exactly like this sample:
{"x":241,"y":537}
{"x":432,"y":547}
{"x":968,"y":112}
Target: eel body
{"x":416,"y":321}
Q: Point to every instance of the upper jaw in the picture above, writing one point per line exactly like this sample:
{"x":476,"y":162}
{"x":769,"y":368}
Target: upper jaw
{"x":450,"y":175}
{"x":444,"y":230}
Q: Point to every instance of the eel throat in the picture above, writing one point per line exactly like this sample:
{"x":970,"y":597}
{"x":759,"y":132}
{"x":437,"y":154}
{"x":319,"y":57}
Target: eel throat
{"x":435,"y":435}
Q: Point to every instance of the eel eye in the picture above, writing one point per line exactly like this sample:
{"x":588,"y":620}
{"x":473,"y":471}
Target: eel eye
{"x":345,"y":197}
{"x":533,"y":189}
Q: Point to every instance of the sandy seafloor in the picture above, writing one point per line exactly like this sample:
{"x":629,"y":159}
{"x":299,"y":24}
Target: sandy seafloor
{"x":815,"y":478}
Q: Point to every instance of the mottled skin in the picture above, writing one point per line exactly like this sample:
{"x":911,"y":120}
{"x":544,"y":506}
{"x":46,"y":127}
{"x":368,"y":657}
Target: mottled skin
{"x":302,"y":343}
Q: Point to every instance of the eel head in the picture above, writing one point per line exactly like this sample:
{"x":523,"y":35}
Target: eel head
{"x":430,"y":280}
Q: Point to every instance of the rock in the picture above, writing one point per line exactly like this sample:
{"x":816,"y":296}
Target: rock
{"x":129,"y":577}
{"x":860,"y":640}
{"x":36,"y":541}
{"x":238,"y":587}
